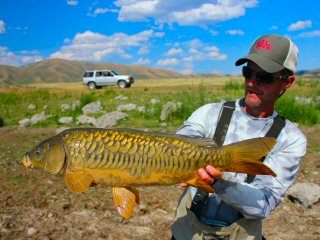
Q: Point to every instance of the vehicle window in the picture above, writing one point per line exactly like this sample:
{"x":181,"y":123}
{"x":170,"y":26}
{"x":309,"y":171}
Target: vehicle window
{"x":88,"y":74}
{"x":102,"y":74}
{"x":115,"y":72}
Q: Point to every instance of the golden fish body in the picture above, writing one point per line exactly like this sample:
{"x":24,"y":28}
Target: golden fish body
{"x":121,"y":158}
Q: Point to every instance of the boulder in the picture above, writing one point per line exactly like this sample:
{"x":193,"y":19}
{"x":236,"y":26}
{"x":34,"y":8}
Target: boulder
{"x":86,"y":120}
{"x":169,"y":108}
{"x":127,"y":107}
{"x":110,"y":119}
{"x":306,"y":194}
{"x":92,"y":108}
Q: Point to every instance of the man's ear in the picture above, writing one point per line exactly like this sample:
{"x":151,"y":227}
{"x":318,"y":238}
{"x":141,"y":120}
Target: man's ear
{"x":289,"y":82}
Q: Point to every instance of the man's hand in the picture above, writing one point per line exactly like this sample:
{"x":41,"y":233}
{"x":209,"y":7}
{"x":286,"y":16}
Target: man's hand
{"x":208,"y":174}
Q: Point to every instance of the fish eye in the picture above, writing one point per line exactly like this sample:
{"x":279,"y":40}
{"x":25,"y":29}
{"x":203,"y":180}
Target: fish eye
{"x":38,"y":150}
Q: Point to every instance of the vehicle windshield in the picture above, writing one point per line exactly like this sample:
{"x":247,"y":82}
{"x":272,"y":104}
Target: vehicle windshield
{"x":114,"y":72}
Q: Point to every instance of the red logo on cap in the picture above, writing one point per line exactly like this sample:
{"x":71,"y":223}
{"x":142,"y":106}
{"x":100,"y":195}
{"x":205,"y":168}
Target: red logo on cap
{"x":264,"y":45}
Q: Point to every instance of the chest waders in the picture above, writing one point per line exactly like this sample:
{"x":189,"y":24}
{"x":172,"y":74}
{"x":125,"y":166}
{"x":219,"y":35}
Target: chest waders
{"x":186,"y":224}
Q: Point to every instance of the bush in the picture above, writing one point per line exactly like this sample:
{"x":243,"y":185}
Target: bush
{"x":234,"y":86}
{"x":1,"y":122}
{"x":302,"y":113}
{"x":87,"y":98}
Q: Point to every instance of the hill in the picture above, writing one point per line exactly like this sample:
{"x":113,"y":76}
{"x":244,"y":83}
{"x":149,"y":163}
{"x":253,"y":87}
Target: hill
{"x":310,"y":73}
{"x":60,"y":70}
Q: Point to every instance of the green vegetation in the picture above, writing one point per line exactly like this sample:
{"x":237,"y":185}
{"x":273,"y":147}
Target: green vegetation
{"x":1,"y":121}
{"x":300,"y":104}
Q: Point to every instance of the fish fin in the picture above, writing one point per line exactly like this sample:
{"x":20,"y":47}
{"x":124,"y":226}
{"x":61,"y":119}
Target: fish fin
{"x":124,"y":199}
{"x":135,"y":192}
{"x":196,"y":182}
{"x":77,"y":181}
{"x":247,"y":155}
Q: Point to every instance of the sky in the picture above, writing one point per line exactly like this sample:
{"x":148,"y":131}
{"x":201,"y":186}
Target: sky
{"x":189,"y":36}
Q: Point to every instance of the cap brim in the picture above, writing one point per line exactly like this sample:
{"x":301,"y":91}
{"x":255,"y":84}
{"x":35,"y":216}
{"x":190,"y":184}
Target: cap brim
{"x":263,"y":62}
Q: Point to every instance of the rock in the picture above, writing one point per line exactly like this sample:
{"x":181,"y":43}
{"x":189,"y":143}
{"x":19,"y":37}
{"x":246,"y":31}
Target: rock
{"x":154,"y":101}
{"x":84,"y":119}
{"x":110,"y":119}
{"x":141,"y":109}
{"x":127,"y":107}
{"x":306,"y":194}
{"x":65,"y":107}
{"x":61,"y":129}
{"x":169,"y":108}
{"x":32,"y":231}
{"x":121,"y":97}
{"x":39,"y":117}
{"x":75,"y":105}
{"x":92,"y":108}
{"x":31,"y":107}
{"x":25,"y":122}
{"x":66,"y":120}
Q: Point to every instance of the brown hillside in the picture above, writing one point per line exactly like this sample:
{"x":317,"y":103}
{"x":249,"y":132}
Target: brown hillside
{"x":59,"y":70}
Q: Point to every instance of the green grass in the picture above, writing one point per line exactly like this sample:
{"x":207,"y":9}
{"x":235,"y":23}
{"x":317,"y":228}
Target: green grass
{"x":191,"y":93}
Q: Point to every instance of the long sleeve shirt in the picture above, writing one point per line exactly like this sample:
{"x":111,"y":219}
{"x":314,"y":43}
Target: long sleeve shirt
{"x":265,"y":193}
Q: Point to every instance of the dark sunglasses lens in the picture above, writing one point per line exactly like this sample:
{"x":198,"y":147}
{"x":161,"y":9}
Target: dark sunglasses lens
{"x":265,"y":78}
{"x":246,"y":72}
{"x":260,"y":77}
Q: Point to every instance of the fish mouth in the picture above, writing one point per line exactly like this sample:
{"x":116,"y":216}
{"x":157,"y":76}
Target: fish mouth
{"x":26,"y":162}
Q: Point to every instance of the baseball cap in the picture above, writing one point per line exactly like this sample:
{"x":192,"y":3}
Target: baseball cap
{"x":272,"y":53}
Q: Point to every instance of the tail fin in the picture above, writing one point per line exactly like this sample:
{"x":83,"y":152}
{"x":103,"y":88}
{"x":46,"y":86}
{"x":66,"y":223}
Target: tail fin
{"x":247,"y":154}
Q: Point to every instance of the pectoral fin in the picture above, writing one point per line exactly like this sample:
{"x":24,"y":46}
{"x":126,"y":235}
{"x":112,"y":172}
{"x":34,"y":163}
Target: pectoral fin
{"x":124,"y":199}
{"x":196,"y":182}
{"x":77,"y":181}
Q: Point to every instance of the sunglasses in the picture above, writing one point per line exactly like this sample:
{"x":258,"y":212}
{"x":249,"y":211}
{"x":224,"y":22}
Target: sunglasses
{"x":262,"y":77}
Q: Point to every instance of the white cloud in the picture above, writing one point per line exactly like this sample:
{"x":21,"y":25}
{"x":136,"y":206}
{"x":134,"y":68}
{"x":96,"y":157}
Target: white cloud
{"x":103,"y":11}
{"x":300,"y":25}
{"x":310,"y":34}
{"x":2,"y":27}
{"x":167,"y":62}
{"x":91,"y":46}
{"x":183,"y":12}
{"x":142,"y":61}
{"x":174,"y":51}
{"x":187,"y":71}
{"x":235,"y":32}
{"x":214,"y":32}
{"x":144,"y":50}
{"x":17,"y":59}
{"x":274,"y":27}
{"x":72,"y":2}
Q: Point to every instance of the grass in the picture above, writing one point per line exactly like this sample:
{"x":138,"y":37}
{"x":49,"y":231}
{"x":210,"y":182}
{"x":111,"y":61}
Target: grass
{"x":192,"y":93}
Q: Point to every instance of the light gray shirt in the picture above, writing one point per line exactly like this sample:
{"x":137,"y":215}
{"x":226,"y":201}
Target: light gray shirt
{"x":265,"y":193}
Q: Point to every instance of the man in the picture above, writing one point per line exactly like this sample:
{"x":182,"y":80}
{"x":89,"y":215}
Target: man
{"x":236,"y":209}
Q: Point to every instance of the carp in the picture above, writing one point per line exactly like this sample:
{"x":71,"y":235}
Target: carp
{"x":124,"y":158}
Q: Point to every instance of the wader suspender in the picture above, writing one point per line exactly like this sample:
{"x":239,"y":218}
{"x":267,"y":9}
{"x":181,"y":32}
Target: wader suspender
{"x":219,"y":137}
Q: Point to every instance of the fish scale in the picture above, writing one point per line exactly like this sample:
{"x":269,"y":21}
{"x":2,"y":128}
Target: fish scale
{"x":123,"y":158}
{"x":136,"y":157}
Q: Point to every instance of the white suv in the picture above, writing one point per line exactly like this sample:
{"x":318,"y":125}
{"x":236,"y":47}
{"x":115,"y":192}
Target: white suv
{"x":99,"y":78}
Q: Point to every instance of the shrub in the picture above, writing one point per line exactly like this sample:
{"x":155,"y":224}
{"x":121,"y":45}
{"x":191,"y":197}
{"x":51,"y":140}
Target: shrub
{"x":87,"y":98}
{"x":302,"y":113}
{"x":234,"y":86}
{"x":1,"y":122}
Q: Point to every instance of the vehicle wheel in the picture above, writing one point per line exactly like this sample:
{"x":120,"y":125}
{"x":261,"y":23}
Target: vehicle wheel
{"x":92,"y":85}
{"x":122,"y":84}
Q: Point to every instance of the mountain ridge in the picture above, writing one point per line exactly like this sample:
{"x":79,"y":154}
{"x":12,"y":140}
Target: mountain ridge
{"x":60,"y":70}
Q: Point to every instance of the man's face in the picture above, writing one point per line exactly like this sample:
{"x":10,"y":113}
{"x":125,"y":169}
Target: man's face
{"x":260,"y":94}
